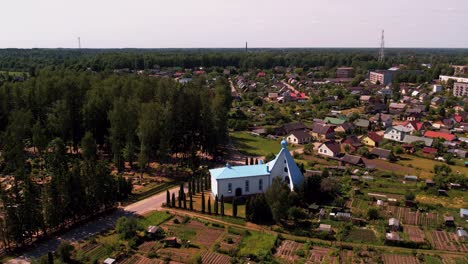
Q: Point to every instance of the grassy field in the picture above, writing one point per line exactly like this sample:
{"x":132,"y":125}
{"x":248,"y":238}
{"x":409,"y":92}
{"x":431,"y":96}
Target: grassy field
{"x":427,"y":166}
{"x":257,"y":244}
{"x":154,"y":218}
{"x":256,"y":145}
{"x":432,"y":260}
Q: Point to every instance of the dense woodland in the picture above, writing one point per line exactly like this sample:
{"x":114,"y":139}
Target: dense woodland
{"x":63,"y":131}
{"x":140,"y":59}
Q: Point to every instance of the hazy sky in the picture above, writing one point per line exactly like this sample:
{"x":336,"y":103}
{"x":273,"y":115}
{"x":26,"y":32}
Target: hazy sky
{"x":229,"y":23}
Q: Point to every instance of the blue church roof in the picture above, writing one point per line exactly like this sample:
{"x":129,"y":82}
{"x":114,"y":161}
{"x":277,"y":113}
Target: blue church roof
{"x":230,"y":172}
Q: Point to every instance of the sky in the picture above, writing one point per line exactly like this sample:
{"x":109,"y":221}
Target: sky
{"x":230,"y":23}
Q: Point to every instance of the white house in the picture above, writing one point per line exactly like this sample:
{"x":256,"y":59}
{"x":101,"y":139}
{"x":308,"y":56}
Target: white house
{"x":397,"y":133}
{"x":329,"y":148}
{"x":299,"y":137}
{"x":233,"y":181}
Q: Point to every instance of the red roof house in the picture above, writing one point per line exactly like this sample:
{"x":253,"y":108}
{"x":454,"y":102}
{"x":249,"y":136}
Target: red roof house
{"x":429,"y":150}
{"x":435,"y":134}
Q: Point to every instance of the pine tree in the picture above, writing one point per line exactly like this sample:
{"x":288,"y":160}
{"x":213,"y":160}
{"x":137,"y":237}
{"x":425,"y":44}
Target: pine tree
{"x":168,"y":199}
{"x":216,"y":205}
{"x":173,"y":200}
{"x":256,"y":161}
{"x":234,"y":207}
{"x":209,"y":205}
{"x":203,"y":202}
{"x":222,"y":205}
{"x":207,"y":183}
{"x":202,"y":187}
{"x":246,"y":161}
{"x":185,"y":201}
{"x":191,"y":203}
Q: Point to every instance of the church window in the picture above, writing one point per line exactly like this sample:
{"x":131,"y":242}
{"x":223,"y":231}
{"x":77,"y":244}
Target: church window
{"x":285,"y":169}
{"x":229,"y":187}
{"x":260,"y":185}
{"x":247,"y":186}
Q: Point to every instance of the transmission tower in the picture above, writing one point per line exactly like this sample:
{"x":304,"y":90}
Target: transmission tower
{"x":382,"y":47}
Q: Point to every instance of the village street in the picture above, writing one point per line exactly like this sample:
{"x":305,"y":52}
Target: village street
{"x":94,"y":227}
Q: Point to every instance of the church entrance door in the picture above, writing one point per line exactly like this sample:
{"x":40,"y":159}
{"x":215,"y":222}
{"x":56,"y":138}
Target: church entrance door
{"x":238,"y":192}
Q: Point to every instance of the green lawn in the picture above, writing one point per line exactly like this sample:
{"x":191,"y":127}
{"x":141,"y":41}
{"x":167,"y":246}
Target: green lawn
{"x":257,"y":244}
{"x":155,"y":218}
{"x":256,"y":145}
{"x":427,"y":165}
{"x":432,"y":260}
{"x":361,"y":236}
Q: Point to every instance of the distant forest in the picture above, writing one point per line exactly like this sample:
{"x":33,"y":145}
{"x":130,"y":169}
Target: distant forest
{"x":139,"y":59}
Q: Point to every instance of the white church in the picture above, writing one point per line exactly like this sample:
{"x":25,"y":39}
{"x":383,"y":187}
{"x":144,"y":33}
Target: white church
{"x":233,"y":181}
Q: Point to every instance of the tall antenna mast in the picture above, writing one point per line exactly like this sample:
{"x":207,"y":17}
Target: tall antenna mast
{"x":382,"y":48}
{"x":246,"y":49}
{"x":79,"y":42}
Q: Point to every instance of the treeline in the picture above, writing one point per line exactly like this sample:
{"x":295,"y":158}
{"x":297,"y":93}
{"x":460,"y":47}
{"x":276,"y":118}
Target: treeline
{"x":61,"y":132}
{"x":139,"y":59}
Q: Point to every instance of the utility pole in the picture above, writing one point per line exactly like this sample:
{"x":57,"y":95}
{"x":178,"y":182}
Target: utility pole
{"x":382,"y":47}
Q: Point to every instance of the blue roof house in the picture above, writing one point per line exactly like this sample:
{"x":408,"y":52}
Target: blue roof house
{"x":232,"y":181}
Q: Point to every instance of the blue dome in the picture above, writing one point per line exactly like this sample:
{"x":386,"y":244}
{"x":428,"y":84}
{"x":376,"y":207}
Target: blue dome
{"x":284,"y":143}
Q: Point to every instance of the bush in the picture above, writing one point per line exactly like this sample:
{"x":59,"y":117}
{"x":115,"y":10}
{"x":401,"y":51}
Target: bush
{"x":127,"y":227}
{"x":176,"y":221}
{"x":185,"y":220}
{"x":64,"y":251}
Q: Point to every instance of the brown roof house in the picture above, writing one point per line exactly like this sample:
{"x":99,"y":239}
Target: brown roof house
{"x":322,"y":131}
{"x":329,"y":148}
{"x":299,"y":137}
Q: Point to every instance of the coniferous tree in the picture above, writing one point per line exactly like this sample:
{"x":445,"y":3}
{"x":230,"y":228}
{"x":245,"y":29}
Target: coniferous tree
{"x":191,"y":203}
{"x":216,"y":205}
{"x":203,"y":202}
{"x":209,"y":205}
{"x":185,"y":201}
{"x":234,"y":207}
{"x":222,"y":205}
{"x":246,"y":161}
{"x":173,"y":200}
{"x":168,"y":199}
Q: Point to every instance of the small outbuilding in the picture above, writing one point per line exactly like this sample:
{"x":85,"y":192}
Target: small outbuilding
{"x":325,"y":228}
{"x":449,"y":220}
{"x":109,"y":261}
{"x":393,"y":224}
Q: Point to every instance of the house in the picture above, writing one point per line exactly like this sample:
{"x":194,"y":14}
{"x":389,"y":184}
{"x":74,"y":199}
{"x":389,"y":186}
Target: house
{"x":461,"y":234}
{"x":383,"y":120}
{"x":329,"y":148}
{"x":171,"y":241}
{"x":233,"y":181}
{"x":449,"y":221}
{"x":322,"y":131}
{"x":411,"y":178}
{"x":416,"y":126}
{"x":430,"y":183}
{"x":443,"y":135}
{"x":396,"y":108}
{"x":394,"y":224}
{"x":464,"y":213}
{"x":365,"y":99}
{"x":392,"y":236}
{"x":288,"y":128}
{"x":396,"y":133}
{"x":352,"y":143}
{"x":334,"y":120}
{"x":409,"y":139}
{"x":325,"y":228}
{"x":273,"y":96}
{"x":344,"y":72}
{"x":436,"y":101}
{"x":372,"y":139}
{"x":109,"y":261}
{"x":381,"y":153}
{"x":346,"y":127}
{"x":362,"y":123}
{"x":299,"y":137}
{"x":429,"y":150}
{"x":353,"y":160}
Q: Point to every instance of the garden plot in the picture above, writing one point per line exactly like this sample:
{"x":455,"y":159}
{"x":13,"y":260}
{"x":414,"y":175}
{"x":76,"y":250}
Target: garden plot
{"x":415,"y":234}
{"x":445,"y":241}
{"x":287,"y":251}
{"x":215,"y":258}
{"x":399,"y":259}
{"x":407,"y":217}
{"x":229,"y":242}
{"x":320,"y":255}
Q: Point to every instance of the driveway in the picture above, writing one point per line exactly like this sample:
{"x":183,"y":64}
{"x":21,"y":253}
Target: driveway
{"x":93,"y":227}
